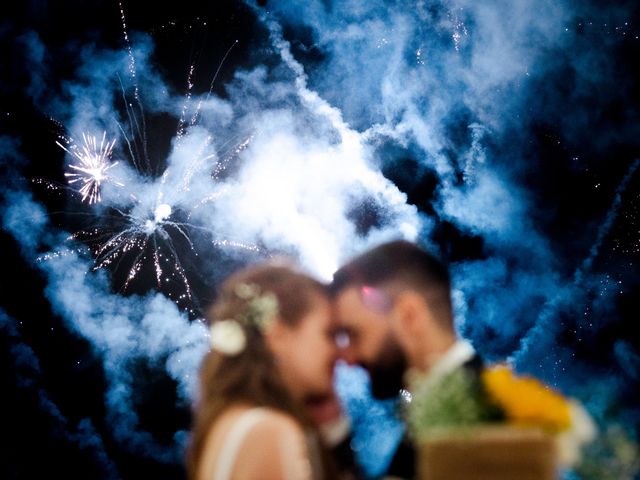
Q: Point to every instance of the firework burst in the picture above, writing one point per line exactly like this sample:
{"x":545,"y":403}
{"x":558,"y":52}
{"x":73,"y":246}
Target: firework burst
{"x":92,"y":167}
{"x":158,"y":236}
{"x":155,"y":225}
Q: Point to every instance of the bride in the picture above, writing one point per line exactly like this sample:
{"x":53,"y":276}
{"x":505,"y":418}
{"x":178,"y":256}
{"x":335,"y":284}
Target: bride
{"x":273,"y":351}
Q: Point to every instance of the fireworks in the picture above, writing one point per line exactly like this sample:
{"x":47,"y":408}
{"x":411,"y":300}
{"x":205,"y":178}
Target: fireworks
{"x":150,"y":224}
{"x":92,"y":167}
{"x":143,"y":236}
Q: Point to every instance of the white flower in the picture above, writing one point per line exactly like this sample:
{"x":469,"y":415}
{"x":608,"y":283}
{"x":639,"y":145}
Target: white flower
{"x":582,"y":431}
{"x":264,"y":309}
{"x":247,"y":291}
{"x":227,"y":337}
{"x":261,"y":308}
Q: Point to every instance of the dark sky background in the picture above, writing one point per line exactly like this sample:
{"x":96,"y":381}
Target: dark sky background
{"x":504,"y":136}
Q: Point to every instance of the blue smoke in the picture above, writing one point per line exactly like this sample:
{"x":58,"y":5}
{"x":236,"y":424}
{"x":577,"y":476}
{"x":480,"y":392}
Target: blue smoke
{"x":122,"y":330}
{"x":27,"y":373}
{"x":363,"y":121}
{"x":306,"y":213}
{"x":36,"y":51}
{"x":423,"y":67}
{"x":459,"y":86}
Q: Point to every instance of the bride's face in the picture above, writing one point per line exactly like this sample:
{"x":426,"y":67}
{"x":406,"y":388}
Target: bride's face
{"x":306,"y":353}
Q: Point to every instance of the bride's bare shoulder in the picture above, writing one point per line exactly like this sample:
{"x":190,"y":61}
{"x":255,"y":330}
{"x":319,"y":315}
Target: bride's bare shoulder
{"x":270,"y":420}
{"x":275,"y":421}
{"x":274,"y":431}
{"x":275,"y":446}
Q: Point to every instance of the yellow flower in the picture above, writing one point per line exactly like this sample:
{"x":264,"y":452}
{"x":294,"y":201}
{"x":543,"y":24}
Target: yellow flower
{"x":525,"y":401}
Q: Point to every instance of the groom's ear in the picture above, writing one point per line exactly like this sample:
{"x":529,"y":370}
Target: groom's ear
{"x":409,"y":312}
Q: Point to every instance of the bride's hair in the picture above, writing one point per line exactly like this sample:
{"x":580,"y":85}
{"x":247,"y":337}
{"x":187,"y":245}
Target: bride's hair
{"x":250,"y":376}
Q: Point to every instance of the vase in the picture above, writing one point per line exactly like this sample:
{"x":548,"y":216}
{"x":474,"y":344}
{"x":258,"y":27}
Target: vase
{"x":487,"y":453}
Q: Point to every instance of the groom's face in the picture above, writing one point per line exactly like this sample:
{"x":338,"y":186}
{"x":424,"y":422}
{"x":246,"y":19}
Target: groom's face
{"x":364,"y":314}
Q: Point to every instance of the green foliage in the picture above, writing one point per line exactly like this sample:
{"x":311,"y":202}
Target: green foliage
{"x":454,"y":400}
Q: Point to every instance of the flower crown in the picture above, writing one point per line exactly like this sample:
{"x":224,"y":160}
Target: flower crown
{"x":228,"y":336}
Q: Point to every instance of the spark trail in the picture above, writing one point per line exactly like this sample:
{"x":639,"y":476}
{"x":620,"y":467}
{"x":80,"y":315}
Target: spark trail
{"x":540,"y":328}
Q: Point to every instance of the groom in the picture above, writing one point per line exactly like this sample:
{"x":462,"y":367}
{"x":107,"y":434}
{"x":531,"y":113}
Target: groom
{"x":394,"y":304}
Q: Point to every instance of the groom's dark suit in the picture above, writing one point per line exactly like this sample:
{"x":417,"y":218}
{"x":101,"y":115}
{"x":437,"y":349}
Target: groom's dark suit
{"x":403,"y":463}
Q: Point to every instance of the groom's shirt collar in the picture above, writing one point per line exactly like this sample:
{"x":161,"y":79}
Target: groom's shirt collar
{"x":457,"y":355}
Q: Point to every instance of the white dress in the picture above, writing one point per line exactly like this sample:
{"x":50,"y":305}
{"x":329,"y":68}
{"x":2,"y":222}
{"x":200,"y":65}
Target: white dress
{"x":297,"y":465}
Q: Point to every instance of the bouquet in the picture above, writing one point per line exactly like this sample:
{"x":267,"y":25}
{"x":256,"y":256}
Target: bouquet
{"x":495,"y":425}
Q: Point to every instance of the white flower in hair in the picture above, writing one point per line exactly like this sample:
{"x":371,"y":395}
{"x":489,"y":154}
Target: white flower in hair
{"x":264,"y":309}
{"x":261,"y":309}
{"x":247,"y":291}
{"x":227,"y":337}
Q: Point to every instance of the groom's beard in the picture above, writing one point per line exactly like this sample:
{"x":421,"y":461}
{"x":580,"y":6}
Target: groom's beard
{"x":387,"y":370}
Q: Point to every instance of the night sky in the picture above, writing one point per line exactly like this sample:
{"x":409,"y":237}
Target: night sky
{"x":502,"y":135}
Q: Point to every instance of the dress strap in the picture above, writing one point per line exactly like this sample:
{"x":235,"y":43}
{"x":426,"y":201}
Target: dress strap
{"x":235,"y":437}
